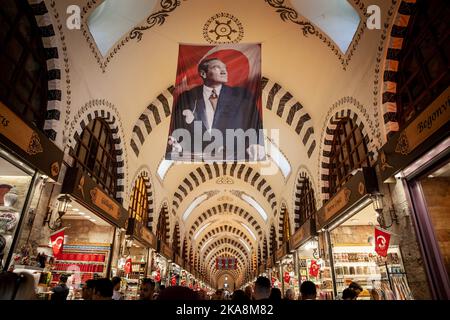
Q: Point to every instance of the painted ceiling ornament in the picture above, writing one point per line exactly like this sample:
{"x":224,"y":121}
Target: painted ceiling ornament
{"x":157,"y":18}
{"x":223,"y":28}
{"x":403,"y":145}
{"x":224,"y":180}
{"x":34,"y":146}
{"x":289,"y":14}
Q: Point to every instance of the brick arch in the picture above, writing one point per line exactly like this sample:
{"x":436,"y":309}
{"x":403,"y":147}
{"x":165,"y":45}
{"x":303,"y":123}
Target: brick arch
{"x":275,"y":98}
{"x":145,"y":174}
{"x":101,"y":108}
{"x":208,"y":172}
{"x":53,"y":124}
{"x":226,"y":208}
{"x":394,"y":48}
{"x":283,"y":212}
{"x":303,"y":176}
{"x":222,"y":229}
{"x":224,"y":240}
{"x":163,"y":220}
{"x":326,"y":146}
{"x":176,"y":239}
{"x":273,"y":241}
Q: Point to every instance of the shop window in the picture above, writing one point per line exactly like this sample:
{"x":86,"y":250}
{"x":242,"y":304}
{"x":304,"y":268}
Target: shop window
{"x":95,"y":153}
{"x":305,"y":203}
{"x":424,"y":63}
{"x":348,"y":152}
{"x":23,"y":80}
{"x":139,"y":201}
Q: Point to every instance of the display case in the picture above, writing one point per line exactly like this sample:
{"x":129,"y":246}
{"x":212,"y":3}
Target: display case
{"x":362,"y":265}
{"x":89,"y":261}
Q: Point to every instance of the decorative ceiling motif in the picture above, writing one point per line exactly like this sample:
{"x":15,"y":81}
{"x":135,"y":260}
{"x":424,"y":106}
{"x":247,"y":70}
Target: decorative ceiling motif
{"x":289,"y":14}
{"x":224,"y":180}
{"x":223,"y":28}
{"x":157,"y":18}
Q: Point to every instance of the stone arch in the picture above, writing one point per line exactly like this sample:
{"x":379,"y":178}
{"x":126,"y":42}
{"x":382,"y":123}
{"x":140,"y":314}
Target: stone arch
{"x":176,"y":239}
{"x":224,"y":229}
{"x":222,"y":208}
{"x":275,"y":99}
{"x":101,"y":108}
{"x":273,"y":241}
{"x":145,"y":174}
{"x":209,"y":172}
{"x":394,"y":48}
{"x":328,"y":133}
{"x":53,"y":124}
{"x":303,"y":175}
{"x":163,"y":226}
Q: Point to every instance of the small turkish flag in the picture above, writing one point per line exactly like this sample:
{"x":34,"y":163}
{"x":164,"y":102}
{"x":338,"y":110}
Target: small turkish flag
{"x":127,"y":267}
{"x":382,"y":239}
{"x":57,"y":240}
{"x":314,"y":269}
{"x":287,"y":277}
{"x":173,"y":281}
{"x":158,"y":276}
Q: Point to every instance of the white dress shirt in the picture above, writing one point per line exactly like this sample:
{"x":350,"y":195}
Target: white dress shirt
{"x":209,"y":111}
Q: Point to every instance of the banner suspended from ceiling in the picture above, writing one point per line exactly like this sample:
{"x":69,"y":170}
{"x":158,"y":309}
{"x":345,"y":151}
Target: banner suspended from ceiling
{"x":382,"y":239}
{"x":217,"y":107}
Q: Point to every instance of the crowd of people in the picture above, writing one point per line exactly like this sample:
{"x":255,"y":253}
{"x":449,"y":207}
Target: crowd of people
{"x":20,"y":286}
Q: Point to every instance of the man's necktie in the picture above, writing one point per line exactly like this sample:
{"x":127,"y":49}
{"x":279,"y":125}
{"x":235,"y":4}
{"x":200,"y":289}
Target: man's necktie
{"x":213,"y":99}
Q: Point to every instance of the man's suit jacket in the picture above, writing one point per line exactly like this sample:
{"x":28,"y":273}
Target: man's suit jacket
{"x":236,"y":109}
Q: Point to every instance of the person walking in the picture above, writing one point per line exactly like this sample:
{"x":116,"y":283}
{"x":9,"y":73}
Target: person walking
{"x":61,"y":291}
{"x":308,"y":291}
{"x":116,"y":289}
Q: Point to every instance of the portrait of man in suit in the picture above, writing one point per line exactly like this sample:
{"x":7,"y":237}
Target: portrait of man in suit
{"x":216,"y":121}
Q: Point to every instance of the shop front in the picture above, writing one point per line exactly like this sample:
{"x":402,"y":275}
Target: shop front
{"x":92,"y":226}
{"x":418,"y":159}
{"x":309,"y":265}
{"x":161,"y":265}
{"x":286,"y":266}
{"x":27,"y":158}
{"x":348,"y":223}
{"x":176,"y":270}
{"x":138,"y":243}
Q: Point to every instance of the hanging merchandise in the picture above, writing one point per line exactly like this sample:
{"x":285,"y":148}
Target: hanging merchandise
{"x":128,"y":264}
{"x":382,"y":240}
{"x":57,"y":240}
{"x":314,"y":269}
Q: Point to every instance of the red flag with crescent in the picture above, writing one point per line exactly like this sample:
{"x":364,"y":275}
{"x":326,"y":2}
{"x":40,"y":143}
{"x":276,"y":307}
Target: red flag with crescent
{"x":314,"y":269}
{"x":382,"y":239}
{"x":127,"y":267}
{"x":57,"y":240}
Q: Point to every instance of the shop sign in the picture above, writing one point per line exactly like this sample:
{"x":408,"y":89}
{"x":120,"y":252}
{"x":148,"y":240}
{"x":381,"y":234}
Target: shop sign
{"x":349,"y":194}
{"x":29,"y":143}
{"x":178,"y":260}
{"x":104,"y":202}
{"x":428,"y":122}
{"x":86,"y":190}
{"x":304,"y":233}
{"x":166,"y":250}
{"x":147,"y":236}
{"x":409,"y":144}
{"x":339,"y":201}
{"x":281,"y":252}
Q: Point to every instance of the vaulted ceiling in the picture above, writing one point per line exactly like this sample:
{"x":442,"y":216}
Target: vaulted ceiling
{"x":222,"y":209}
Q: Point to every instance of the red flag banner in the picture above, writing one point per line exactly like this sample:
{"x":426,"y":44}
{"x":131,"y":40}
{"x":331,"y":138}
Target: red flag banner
{"x":382,"y":239}
{"x":314,"y":269}
{"x":287,"y":277}
{"x":127,"y":267}
{"x":57,"y":240}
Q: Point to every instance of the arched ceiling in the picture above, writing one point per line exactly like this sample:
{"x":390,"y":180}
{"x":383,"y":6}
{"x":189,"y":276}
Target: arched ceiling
{"x":305,"y":73}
